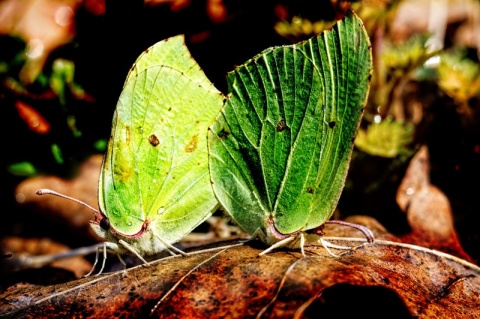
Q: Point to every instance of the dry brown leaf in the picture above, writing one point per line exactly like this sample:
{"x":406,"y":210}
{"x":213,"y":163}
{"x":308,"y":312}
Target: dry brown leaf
{"x":413,"y":17}
{"x":235,"y":282}
{"x":428,"y":210}
{"x":73,"y":215}
{"x":43,"y":24}
{"x":23,"y":249}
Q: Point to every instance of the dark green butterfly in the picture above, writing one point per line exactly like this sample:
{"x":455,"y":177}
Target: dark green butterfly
{"x":281,"y":147}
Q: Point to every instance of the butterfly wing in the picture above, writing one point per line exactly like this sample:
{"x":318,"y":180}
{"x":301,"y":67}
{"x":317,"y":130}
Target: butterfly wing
{"x":285,"y":135}
{"x":156,"y":165}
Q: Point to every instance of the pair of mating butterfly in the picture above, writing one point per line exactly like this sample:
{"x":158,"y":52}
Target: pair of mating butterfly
{"x":275,"y":158}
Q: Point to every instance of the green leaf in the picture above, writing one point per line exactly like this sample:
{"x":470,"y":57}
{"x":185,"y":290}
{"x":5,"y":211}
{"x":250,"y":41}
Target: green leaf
{"x":458,"y":76}
{"x":22,"y":169}
{"x":72,"y":124}
{"x":100,"y":145}
{"x":57,"y":153}
{"x":387,"y":138}
{"x":154,"y":183}
{"x":280,"y":149}
{"x":299,"y":27}
{"x":405,"y":57}
{"x":62,"y":76}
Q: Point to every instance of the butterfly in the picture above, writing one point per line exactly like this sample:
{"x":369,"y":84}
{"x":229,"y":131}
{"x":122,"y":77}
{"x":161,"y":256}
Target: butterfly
{"x":154,"y":185}
{"x":280,"y":148}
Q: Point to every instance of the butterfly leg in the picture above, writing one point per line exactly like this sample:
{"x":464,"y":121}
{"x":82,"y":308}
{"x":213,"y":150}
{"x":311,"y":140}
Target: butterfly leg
{"x":133,"y":251}
{"x":124,"y":264}
{"x":104,"y":249}
{"x":256,"y":234}
{"x":327,"y":245}
{"x":281,"y":243}
{"x":366,"y":232}
{"x":302,"y":244}
{"x":290,"y":242}
{"x":94,"y":263}
{"x":104,"y":259}
{"x":172,"y":249}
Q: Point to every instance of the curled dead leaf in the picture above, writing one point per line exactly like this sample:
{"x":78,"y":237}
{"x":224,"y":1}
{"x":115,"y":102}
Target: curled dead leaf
{"x":35,"y":121}
{"x":428,"y":209}
{"x":233,"y":281}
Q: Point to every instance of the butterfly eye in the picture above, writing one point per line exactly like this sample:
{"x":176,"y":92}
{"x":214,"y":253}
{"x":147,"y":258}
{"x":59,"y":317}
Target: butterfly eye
{"x":105,"y":223}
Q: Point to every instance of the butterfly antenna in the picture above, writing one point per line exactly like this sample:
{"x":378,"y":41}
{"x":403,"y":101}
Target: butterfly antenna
{"x":366,"y":232}
{"x":44,"y":191}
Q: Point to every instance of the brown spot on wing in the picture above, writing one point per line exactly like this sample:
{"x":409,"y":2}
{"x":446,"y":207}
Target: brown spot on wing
{"x":192,"y":144}
{"x":223,"y":134}
{"x":281,"y":126}
{"x":153,"y":139}
{"x":127,"y":134}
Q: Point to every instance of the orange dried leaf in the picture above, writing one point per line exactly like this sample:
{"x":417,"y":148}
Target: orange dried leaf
{"x":74,"y":216}
{"x":235,"y":282}
{"x":24,"y":248}
{"x":35,"y":121}
{"x":428,"y":209}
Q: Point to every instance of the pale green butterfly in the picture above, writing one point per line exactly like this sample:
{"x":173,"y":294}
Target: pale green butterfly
{"x":281,"y":147}
{"x":154,"y":185}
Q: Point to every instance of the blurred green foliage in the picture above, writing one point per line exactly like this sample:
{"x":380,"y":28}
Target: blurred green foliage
{"x":459,"y":76}
{"x":53,"y":88}
{"x":388,"y":138}
{"x":301,"y":28}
